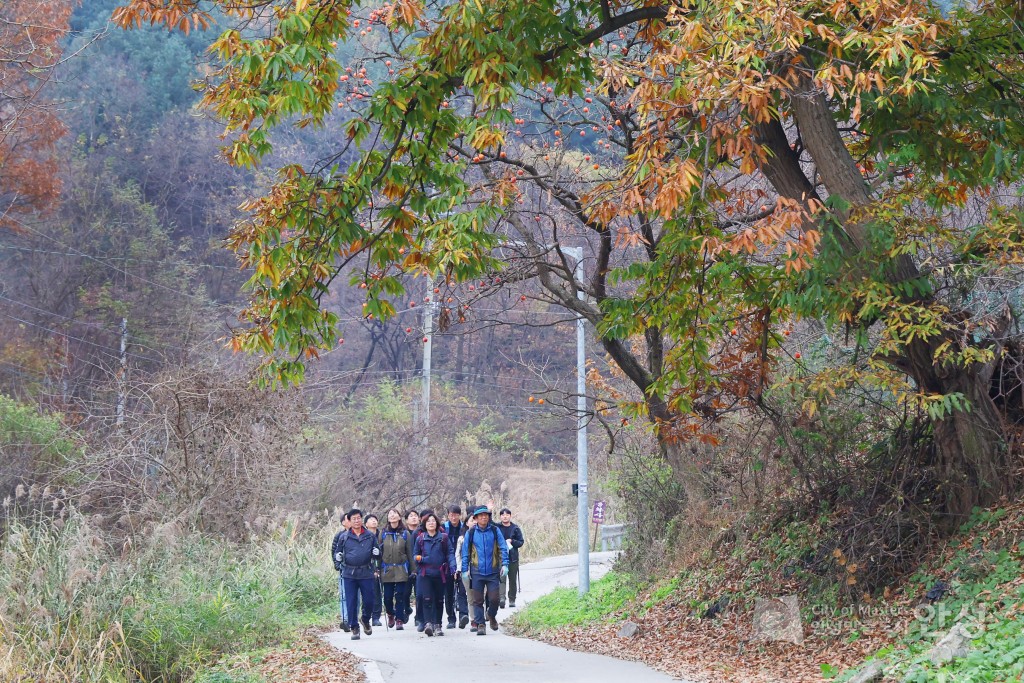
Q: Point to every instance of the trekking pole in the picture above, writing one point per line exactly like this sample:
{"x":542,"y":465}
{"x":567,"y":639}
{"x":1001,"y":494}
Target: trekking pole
{"x":383,"y":607}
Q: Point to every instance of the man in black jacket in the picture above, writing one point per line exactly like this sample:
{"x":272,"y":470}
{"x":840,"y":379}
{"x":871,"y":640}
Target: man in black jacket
{"x":359,"y":555}
{"x":454,"y":590}
{"x":336,"y":557}
{"x":513,"y":536}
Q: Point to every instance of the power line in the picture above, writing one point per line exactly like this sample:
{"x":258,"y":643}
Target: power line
{"x":78,"y":339}
{"x":205,"y":302}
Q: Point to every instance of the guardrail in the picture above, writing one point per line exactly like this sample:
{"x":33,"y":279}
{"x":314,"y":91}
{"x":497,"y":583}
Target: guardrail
{"x":612,"y":536}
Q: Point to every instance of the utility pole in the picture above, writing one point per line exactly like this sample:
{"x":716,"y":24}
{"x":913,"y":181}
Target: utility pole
{"x":428,"y":342}
{"x":582,"y":504}
{"x":582,"y":510}
{"x":122,"y":384}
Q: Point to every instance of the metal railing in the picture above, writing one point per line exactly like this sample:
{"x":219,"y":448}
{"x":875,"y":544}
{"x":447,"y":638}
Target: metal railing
{"x":612,"y":536}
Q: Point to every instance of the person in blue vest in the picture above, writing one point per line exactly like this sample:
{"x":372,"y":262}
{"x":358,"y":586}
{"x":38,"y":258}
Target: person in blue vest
{"x":360,"y":560}
{"x":435,"y":555}
{"x":336,"y":557}
{"x":454,"y":590}
{"x":485,"y":558}
{"x":397,"y":558}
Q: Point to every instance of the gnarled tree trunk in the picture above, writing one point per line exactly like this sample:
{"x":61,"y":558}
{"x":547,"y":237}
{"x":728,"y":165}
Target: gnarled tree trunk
{"x":971,"y":459}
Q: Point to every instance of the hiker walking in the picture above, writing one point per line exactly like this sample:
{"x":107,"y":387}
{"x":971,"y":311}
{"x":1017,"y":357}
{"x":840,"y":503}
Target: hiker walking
{"x":397,"y":558}
{"x":435,"y":555}
{"x":338,"y":558}
{"x":455,"y":590}
{"x":372,"y":524}
{"x":461,"y":576}
{"x":360,"y":559}
{"x":485,"y":558}
{"x":513,"y":536}
{"x":412,"y":525}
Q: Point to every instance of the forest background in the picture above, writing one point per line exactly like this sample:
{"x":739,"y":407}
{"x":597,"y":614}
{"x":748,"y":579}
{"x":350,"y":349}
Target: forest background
{"x":801,"y":275}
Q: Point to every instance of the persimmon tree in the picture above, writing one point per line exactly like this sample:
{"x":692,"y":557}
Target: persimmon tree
{"x":848,"y":162}
{"x":30,"y":49}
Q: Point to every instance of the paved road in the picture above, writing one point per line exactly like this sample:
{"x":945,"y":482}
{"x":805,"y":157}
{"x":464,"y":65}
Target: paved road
{"x":462,"y":656}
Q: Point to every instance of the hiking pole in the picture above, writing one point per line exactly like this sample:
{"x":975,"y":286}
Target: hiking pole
{"x":383,"y":607}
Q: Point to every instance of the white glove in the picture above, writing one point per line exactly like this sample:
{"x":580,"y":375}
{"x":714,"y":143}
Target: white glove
{"x":376,"y":552}
{"x":504,"y":571}
{"x":339,"y":557}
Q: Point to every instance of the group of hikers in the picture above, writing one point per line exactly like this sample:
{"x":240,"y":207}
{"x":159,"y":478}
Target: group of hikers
{"x":450,"y":566}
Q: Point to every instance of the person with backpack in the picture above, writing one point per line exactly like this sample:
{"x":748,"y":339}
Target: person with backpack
{"x":485,"y":559}
{"x":372,"y":524}
{"x":412,"y":525}
{"x":360,"y":559}
{"x":461,"y":576}
{"x":435,"y":555}
{"x":336,"y":557}
{"x":514,"y":538}
{"x":454,"y":590}
{"x":397,"y":566}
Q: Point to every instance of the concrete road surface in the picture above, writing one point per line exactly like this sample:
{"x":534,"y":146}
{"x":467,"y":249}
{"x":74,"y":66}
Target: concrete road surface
{"x":404,"y":656}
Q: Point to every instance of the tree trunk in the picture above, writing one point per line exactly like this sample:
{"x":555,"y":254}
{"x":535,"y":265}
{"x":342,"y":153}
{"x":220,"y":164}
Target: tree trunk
{"x":971,"y":460}
{"x":684,"y":468}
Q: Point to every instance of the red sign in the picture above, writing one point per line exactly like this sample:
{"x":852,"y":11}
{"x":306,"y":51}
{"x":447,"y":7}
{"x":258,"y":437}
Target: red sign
{"x":598,"y":517}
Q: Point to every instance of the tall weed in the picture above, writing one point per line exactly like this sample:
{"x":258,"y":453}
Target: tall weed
{"x":159,"y":608}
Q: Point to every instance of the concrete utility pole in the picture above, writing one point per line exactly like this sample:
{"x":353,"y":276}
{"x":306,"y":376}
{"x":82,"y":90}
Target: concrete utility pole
{"x":122,"y":384}
{"x":582,"y":509}
{"x":428,"y":342}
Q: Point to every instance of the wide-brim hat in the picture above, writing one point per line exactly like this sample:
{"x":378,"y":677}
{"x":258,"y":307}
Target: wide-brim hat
{"x":482,"y":510}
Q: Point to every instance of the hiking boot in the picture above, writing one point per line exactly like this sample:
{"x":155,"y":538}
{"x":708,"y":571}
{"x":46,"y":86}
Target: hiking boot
{"x":344,"y":626}
{"x":440,"y":631}
{"x":472,"y":628}
{"x":493,"y":621}
{"x":355,"y":635}
{"x":511,"y":603}
{"x":463,"y":620}
{"x":451,"y":623}
{"x":501,"y":605}
{"x":366,"y":627}
{"x":429,"y":630}
{"x":482,"y":630}
{"x":420,"y":626}
{"x":391,"y":621}
{"x":399,"y":626}
{"x":376,"y":622}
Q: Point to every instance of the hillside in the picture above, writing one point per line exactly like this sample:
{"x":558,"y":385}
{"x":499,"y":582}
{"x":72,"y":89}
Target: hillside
{"x":715,"y":618}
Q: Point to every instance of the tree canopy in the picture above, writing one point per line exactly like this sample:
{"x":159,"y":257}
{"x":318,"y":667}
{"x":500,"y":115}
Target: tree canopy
{"x":852,"y":163}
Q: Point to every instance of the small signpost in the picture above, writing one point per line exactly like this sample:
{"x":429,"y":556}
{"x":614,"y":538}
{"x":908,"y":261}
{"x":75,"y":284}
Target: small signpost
{"x":598,"y":519}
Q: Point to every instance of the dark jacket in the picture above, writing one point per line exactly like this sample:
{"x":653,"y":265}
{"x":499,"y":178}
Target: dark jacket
{"x":396,"y":555}
{"x":513,"y":536}
{"x":360,"y":554}
{"x":437,"y":554}
{"x":484,"y":552}
{"x":412,"y":550}
{"x":454,"y":530}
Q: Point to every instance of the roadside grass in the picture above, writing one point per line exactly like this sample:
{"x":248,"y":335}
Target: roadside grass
{"x":609,"y":596}
{"x":164,"y":607}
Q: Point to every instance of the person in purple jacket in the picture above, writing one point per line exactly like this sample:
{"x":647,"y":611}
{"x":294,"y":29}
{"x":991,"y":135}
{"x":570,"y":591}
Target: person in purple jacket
{"x":435,"y":555}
